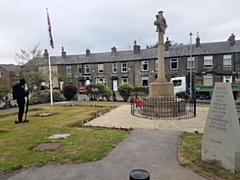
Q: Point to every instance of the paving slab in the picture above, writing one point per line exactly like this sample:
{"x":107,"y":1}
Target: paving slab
{"x":121,"y":116}
{"x":47,"y":146}
{"x":58,"y":136}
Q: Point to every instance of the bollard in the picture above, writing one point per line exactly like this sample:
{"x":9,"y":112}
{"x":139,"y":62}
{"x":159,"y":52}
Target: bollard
{"x":139,"y":174}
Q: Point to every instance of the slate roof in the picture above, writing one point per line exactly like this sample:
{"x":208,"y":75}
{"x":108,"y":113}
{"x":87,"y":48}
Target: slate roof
{"x":205,"y":49}
{"x":9,"y":67}
{"x":145,"y":54}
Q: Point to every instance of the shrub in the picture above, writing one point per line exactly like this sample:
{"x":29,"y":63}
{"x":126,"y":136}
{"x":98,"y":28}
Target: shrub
{"x":70,"y":91}
{"x":107,"y":93}
{"x":141,"y":90}
{"x":95,"y":91}
{"x":125,"y":91}
{"x":43,"y":96}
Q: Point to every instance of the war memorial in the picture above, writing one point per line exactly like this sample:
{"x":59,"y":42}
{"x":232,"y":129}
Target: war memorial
{"x":161,"y":101}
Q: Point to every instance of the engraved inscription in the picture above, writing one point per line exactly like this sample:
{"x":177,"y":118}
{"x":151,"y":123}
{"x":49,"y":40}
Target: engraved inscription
{"x":218,"y":117}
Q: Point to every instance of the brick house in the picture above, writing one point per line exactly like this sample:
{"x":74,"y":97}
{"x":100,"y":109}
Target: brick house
{"x":139,"y":66}
{"x":9,"y":73}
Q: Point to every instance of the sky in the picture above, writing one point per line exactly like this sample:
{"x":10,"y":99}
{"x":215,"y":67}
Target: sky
{"x":99,"y":25}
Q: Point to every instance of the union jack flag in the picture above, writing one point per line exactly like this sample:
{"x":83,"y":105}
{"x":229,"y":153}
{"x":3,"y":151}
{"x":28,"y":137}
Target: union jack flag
{"x":49,"y":30}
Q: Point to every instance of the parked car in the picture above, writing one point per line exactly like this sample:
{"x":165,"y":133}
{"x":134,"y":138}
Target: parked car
{"x":83,"y":90}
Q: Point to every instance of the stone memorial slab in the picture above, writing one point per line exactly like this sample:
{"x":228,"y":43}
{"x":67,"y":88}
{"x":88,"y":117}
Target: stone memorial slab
{"x":221,"y":137}
{"x":45,"y":114}
{"x":47,"y":146}
{"x":57,"y":136}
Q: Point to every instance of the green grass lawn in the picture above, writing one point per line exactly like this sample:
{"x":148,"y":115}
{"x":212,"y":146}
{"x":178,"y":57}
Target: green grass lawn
{"x":18,"y":141}
{"x":190,"y":155}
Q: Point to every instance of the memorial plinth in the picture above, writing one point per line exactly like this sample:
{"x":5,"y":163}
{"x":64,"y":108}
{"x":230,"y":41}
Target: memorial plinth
{"x":161,"y":89}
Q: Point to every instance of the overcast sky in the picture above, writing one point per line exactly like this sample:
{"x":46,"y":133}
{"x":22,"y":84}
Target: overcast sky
{"x":102,"y":24}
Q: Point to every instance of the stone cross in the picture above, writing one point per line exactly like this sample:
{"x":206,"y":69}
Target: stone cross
{"x":161,"y":88}
{"x":161,"y":24}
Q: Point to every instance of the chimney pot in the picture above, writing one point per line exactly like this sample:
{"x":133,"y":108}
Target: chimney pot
{"x":136,"y":48}
{"x":198,"y":42}
{"x":232,"y":39}
{"x":45,"y":54}
{"x":87,"y":52}
{"x":63,"y":53}
{"x":167,"y":44}
{"x":114,"y":51}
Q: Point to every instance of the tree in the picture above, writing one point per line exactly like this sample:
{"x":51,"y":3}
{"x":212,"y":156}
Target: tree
{"x":28,"y":68}
{"x":125,"y":90}
{"x":65,"y":79}
{"x":152,"y":46}
{"x":3,"y":89}
{"x":168,"y":77}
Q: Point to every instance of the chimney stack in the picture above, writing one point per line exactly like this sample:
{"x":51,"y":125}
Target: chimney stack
{"x":136,"y":48}
{"x":232,"y":39}
{"x":63,"y":53}
{"x":87,"y":52}
{"x":167,"y":45}
{"x":114,"y":51}
{"x":197,"y":41}
{"x":45,"y":54}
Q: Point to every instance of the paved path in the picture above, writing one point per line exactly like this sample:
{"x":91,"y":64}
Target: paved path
{"x":121,"y":116}
{"x":151,"y":146}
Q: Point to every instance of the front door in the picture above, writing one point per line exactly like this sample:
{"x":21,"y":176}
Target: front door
{"x":115,"y":85}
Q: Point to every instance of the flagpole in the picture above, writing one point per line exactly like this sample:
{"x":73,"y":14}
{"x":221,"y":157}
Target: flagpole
{"x":49,"y":60}
{"x":50,"y":78}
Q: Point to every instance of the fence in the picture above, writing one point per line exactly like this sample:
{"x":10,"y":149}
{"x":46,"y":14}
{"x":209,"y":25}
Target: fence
{"x":163,"y":108}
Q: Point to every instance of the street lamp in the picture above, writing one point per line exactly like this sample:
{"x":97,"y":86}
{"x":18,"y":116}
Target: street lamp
{"x":76,"y":77}
{"x":191,"y":65}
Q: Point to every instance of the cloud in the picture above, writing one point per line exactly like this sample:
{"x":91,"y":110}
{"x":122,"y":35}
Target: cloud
{"x":100,"y":25}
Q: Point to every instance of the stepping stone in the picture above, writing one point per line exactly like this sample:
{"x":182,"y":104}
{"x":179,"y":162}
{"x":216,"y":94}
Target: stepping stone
{"x":45,"y":114}
{"x":57,"y":136}
{"x":47,"y":146}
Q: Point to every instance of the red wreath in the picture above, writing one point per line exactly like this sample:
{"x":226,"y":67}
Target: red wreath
{"x":140,"y":103}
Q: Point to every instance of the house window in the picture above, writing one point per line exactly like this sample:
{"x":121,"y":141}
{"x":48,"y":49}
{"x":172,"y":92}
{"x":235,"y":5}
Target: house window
{"x":144,"y":80}
{"x":69,"y":70}
{"x":101,"y":80}
{"x":156,"y":64}
{"x":174,"y":64}
{"x":79,"y":69}
{"x":124,"y":67}
{"x":227,"y":79}
{"x":124,"y":80}
{"x":114,"y":67}
{"x":208,"y":80}
{"x":0,"y":73}
{"x":144,"y":65}
{"x":227,"y":61}
{"x":208,"y":61}
{"x":100,"y":68}
{"x":87,"y":69}
{"x":191,"y":63}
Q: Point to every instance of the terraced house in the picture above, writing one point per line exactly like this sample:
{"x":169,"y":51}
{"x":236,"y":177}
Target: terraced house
{"x":9,"y":72}
{"x":139,"y":66}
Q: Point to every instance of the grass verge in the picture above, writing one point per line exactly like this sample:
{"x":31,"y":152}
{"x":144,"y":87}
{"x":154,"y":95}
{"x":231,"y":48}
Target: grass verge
{"x":190,"y":156}
{"x":17,"y":142}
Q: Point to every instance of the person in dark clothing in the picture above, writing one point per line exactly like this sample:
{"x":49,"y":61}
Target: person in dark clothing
{"x":21,"y":94}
